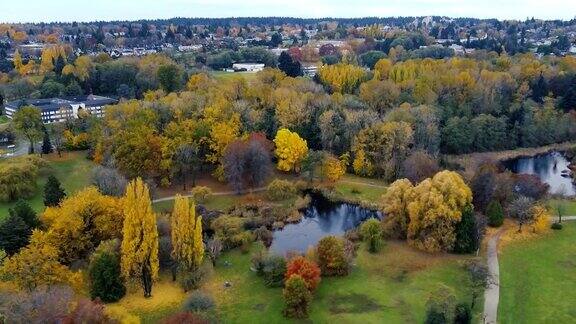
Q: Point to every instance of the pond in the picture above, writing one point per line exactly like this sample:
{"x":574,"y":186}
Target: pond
{"x":321,"y":218}
{"x":551,"y":168}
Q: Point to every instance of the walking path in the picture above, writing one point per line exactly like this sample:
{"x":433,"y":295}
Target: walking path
{"x":492,"y":293}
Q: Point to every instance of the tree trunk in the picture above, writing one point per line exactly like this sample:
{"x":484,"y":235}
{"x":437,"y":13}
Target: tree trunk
{"x":174,"y":269}
{"x":183,"y":178}
{"x":147,"y":280}
{"x":31,"y":148}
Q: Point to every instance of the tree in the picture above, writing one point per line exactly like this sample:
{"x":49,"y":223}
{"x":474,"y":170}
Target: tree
{"x":289,"y":66}
{"x":333,"y":168}
{"x":371,"y":233}
{"x":213,"y":249}
{"x":297,"y":297}
{"x":418,"y":166}
{"x":28,"y":121}
{"x":466,"y":238}
{"x":290,"y":150}
{"x":331,"y":256}
{"x":308,"y":270}
{"x":186,"y":160}
{"x":495,"y":214}
{"x":248,"y":162}
{"x":139,"y":249}
{"x":106,"y":281}
{"x":170,"y":77}
{"x":395,"y":206}
{"x":46,"y":144}
{"x":14,"y":234}
{"x":187,"y":244}
{"x":341,"y":77}
{"x":37,"y":265}
{"x":18,"y":177}
{"x":109,"y":181}
{"x":436,"y":209}
{"x":53,"y":192}
{"x":521,"y":210}
{"x":23,"y":211}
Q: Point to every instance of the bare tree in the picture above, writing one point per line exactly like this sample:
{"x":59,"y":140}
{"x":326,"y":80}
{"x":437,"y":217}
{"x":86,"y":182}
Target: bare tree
{"x":187,"y":161}
{"x":213,"y":249}
{"x":521,"y":210}
{"x":109,"y":181}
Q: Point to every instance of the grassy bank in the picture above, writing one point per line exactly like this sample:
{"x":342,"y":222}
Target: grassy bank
{"x":537,"y":279}
{"x":72,"y":169}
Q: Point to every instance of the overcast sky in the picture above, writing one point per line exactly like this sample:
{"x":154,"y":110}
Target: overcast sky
{"x":90,"y":10}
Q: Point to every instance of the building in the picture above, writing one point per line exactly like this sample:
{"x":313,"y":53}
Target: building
{"x":59,"y":109}
{"x":248,"y":67}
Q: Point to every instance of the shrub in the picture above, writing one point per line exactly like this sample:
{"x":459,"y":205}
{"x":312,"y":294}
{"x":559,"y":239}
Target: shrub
{"x":463,"y":314}
{"x":273,"y":270}
{"x":105,"y":280}
{"x":297,"y":297}
{"x":191,"y":279}
{"x":228,"y":229}
{"x":495,"y":214}
{"x":280,"y":190}
{"x":201,"y":194}
{"x":18,"y":178}
{"x":184,"y":318}
{"x":165,"y":252}
{"x":308,"y":270}
{"x":332,"y":257}
{"x":371,"y":232}
{"x":264,"y":235}
{"x":198,"y":302}
{"x":556,"y":226}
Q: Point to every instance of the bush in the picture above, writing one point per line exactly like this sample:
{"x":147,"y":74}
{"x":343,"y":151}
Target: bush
{"x":308,"y":270}
{"x":165,"y":252}
{"x":495,"y":214}
{"x":280,"y":190}
{"x":297,"y":298}
{"x":332,"y":257}
{"x":229,"y":230}
{"x":463,"y":314}
{"x":371,"y":232}
{"x":198,"y":302}
{"x":556,"y":226}
{"x":184,"y":318}
{"x":191,"y":279}
{"x":201,"y":194}
{"x":273,"y":270}
{"x":105,"y":280}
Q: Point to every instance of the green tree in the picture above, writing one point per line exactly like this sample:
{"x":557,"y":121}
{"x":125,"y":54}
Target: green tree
{"x":331,"y":256}
{"x":28,"y":121}
{"x":371,"y":232}
{"x":46,"y":143}
{"x":495,"y":214}
{"x":105,"y":277}
{"x":466,"y":238}
{"x":170,"y":77}
{"x":14,"y":234}
{"x":53,"y":192}
{"x":297,"y":297}
{"x":23,"y":210}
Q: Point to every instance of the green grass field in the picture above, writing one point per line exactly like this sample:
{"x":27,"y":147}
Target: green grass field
{"x":392,"y":286}
{"x":537,"y":279}
{"x":73,"y":170}
{"x":568,"y":207}
{"x":223,"y":75}
{"x":359,"y":188}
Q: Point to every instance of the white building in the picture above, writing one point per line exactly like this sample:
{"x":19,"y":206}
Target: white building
{"x":248,"y":67}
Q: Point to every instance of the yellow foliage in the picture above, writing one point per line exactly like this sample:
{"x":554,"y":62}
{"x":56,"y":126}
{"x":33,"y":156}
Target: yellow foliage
{"x":139,"y":249}
{"x":382,"y":69}
{"x":187,"y":245}
{"x":81,"y":221}
{"x":343,"y":78}
{"x":334,"y":168}
{"x":435,"y":210}
{"x":291,"y":149}
{"x":395,"y":206}
{"x":541,"y":222}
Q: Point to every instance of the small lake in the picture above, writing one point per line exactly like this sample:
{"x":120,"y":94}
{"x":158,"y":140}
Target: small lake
{"x":548,"y":167}
{"x":322,"y":218}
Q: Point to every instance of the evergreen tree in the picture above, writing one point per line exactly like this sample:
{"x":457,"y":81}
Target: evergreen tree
{"x":14,"y":234}
{"x":46,"y":143}
{"x":23,"y":210}
{"x":540,"y":89}
{"x":139,"y":249}
{"x":53,"y":192}
{"x":105,"y":278}
{"x":466,"y":238}
{"x":289,"y":66}
{"x":495,"y":214}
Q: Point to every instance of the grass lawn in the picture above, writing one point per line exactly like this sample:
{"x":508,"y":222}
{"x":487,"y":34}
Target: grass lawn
{"x":223,"y":75}
{"x":73,"y":171}
{"x":537,"y":279}
{"x":359,"y":188}
{"x":392,"y":286}
{"x":568,"y":206}
{"x":4,"y":119}
{"x":213,"y":203}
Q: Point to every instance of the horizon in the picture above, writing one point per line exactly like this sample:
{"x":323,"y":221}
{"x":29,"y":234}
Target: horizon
{"x":66,"y":11}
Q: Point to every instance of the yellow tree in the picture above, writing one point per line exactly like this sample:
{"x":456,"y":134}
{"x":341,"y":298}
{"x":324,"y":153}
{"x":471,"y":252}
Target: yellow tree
{"x":187,"y":245}
{"x":395,"y":206}
{"x":291,"y":149}
{"x":435,"y":210}
{"x":139,"y":249}
{"x":334,"y":168}
{"x":37,"y":265}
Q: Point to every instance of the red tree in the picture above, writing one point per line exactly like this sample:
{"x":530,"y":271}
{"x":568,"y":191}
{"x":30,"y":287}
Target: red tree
{"x":308,"y":270}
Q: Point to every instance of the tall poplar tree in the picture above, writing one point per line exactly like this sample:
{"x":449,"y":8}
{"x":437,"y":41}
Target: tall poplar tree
{"x":187,"y":245}
{"x":139,"y":249}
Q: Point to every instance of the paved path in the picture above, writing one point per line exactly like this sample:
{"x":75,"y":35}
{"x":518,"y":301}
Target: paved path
{"x":492,"y":293}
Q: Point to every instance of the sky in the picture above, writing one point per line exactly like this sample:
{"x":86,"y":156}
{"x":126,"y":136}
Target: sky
{"x":91,"y":10}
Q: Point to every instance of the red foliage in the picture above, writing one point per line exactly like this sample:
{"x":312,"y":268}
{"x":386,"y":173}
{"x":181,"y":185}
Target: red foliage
{"x":184,"y":318}
{"x":308,"y":270}
{"x":295,"y":53}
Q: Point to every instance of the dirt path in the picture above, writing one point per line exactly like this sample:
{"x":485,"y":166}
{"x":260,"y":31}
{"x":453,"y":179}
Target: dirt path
{"x":492,"y":293}
{"x":221,"y":193}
